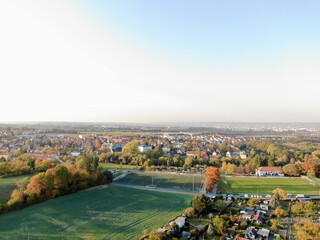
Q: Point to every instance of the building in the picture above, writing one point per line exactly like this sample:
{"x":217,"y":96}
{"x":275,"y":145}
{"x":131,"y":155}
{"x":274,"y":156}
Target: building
{"x":144,"y":148}
{"x":204,"y":154}
{"x":180,"y":222}
{"x":269,"y":171}
{"x":43,"y":156}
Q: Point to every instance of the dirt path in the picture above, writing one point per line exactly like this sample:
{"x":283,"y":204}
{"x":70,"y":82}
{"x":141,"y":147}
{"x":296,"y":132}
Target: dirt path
{"x":154,"y":189}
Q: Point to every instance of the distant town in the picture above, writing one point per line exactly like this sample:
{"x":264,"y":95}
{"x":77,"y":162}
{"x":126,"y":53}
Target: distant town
{"x":247,"y":186}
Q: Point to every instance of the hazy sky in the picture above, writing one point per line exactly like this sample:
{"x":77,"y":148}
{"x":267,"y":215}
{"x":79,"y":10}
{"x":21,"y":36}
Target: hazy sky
{"x":160,"y":61}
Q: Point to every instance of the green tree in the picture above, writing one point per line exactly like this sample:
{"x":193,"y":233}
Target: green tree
{"x":220,"y":224}
{"x":199,"y":203}
{"x":131,"y":148}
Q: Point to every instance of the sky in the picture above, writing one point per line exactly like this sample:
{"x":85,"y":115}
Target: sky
{"x":160,"y":61}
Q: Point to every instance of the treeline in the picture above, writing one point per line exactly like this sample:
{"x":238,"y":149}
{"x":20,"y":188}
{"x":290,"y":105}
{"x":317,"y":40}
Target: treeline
{"x":58,"y":181}
{"x":285,"y":152}
{"x":296,"y":170}
{"x":25,"y":165}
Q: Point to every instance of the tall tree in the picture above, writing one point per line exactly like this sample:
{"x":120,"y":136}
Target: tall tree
{"x":212,"y":177}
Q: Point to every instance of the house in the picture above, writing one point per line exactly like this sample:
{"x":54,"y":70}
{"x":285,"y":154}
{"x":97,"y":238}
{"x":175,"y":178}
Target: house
{"x":247,"y":216}
{"x":144,"y":148}
{"x":231,"y":233}
{"x":264,"y":207}
{"x":166,"y":149}
{"x":251,"y":233}
{"x":4,"y":157}
{"x":180,"y":221}
{"x":75,"y":154}
{"x":243,"y":155}
{"x":269,"y":171}
{"x":257,"y":219}
{"x":43,"y":156}
{"x":204,"y":154}
{"x":263,"y":233}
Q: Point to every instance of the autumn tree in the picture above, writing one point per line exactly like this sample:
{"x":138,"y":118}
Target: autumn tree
{"x":212,"y":177}
{"x":231,"y":169}
{"x":307,"y":230}
{"x":291,"y":170}
{"x":279,"y":212}
{"x":280,"y":193}
{"x":131,"y":148}
{"x":275,"y":224}
{"x":309,"y":168}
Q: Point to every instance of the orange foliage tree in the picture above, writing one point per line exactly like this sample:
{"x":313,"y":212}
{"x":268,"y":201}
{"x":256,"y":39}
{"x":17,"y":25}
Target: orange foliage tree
{"x":309,"y":168}
{"x":212,"y":177}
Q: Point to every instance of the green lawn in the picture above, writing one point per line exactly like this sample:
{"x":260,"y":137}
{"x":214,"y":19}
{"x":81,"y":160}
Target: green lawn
{"x":167,"y":180}
{"x":109,"y":213}
{"x":266,"y":185}
{"x":120,"y":166}
{"x":7,"y":185}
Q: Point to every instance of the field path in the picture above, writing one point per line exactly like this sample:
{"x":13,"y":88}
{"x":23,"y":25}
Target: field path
{"x":155,"y":189}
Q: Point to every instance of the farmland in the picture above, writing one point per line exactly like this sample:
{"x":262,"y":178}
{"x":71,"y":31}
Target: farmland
{"x":7,"y":185}
{"x":108,"y":213}
{"x":266,"y":185}
{"x":164,"y":180}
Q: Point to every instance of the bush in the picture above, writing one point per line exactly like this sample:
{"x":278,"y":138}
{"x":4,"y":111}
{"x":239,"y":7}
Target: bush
{"x":189,"y":212}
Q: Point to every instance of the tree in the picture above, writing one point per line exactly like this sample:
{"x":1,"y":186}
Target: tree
{"x":224,"y":167}
{"x":189,"y":160}
{"x":189,"y":212}
{"x":307,"y":230}
{"x":270,"y":162}
{"x":309,"y":168}
{"x":274,"y":201}
{"x":279,"y":212}
{"x":253,"y":201}
{"x":291,"y":170}
{"x":220,"y":224}
{"x":231,"y":169}
{"x":212,"y":177}
{"x":275,"y":224}
{"x":199,"y":154}
{"x":131,"y":148}
{"x":297,"y":208}
{"x":199,"y":203}
{"x":280,"y":193}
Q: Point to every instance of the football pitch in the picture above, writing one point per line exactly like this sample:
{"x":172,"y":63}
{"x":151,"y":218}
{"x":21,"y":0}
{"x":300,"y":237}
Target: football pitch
{"x":110,"y":213}
{"x":185,"y":182}
{"x":265,"y":185}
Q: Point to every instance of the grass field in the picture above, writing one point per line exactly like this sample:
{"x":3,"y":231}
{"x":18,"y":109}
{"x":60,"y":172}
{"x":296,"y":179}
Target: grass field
{"x":167,"y":180}
{"x":109,"y":213}
{"x":7,"y":185}
{"x":113,"y":166}
{"x":266,"y":185}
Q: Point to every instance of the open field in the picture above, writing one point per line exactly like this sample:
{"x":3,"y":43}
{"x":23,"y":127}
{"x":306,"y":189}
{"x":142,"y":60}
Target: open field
{"x":113,"y":166}
{"x":7,"y":185}
{"x":109,"y":213}
{"x":164,"y":180}
{"x":266,"y":185}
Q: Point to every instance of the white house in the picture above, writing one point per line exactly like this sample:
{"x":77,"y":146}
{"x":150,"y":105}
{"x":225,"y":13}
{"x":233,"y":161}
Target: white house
{"x":269,"y":171}
{"x":144,"y":148}
{"x":180,"y":221}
